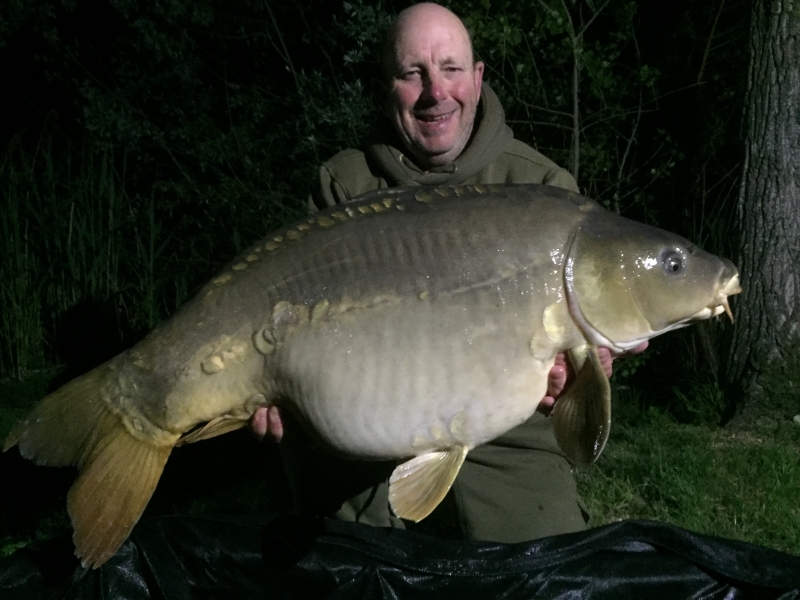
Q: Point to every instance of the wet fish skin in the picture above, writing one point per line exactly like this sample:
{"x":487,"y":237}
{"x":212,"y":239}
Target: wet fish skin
{"x":418,"y":322}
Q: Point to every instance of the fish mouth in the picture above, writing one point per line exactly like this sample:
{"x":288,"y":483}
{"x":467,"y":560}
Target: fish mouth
{"x":720,"y":302}
{"x":717,"y":306}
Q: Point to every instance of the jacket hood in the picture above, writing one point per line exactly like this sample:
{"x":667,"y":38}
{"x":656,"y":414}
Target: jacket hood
{"x":490,"y":137}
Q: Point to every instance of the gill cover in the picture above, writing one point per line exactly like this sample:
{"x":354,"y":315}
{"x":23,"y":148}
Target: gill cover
{"x":627,"y":282}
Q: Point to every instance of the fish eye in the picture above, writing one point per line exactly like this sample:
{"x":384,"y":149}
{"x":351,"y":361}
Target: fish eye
{"x":672,"y":262}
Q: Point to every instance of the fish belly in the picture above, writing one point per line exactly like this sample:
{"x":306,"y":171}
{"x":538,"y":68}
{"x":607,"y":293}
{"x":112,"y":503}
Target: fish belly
{"x":413,"y":375}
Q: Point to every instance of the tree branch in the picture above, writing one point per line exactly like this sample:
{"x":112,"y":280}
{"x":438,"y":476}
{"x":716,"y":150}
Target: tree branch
{"x":708,"y":43}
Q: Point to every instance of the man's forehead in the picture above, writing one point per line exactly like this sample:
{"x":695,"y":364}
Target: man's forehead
{"x":441,"y":56}
{"x":441,"y":45}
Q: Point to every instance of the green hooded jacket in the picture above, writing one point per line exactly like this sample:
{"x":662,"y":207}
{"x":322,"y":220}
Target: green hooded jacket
{"x":492,"y":156}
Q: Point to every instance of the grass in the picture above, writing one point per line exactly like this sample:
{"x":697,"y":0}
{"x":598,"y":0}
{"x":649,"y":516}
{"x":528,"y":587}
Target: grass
{"x":741,"y":483}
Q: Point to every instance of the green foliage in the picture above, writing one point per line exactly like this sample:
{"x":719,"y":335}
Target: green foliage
{"x":364,"y":24}
{"x":626,"y":368}
{"x":573,"y":83}
{"x":52,"y":523}
{"x":74,"y":235}
{"x":238,"y":98}
{"x":678,"y":374}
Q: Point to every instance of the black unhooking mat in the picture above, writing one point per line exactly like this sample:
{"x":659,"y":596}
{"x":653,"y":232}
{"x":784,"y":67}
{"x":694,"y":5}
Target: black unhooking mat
{"x":177,"y":558}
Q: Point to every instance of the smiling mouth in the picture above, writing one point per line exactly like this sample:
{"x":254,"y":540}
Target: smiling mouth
{"x":433,"y":118}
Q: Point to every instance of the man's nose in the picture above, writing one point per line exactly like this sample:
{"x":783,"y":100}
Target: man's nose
{"x":433,"y":87}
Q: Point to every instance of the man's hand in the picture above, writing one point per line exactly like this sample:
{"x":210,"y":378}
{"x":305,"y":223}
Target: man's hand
{"x":556,"y":383}
{"x":561,"y":375}
{"x":266,"y":422}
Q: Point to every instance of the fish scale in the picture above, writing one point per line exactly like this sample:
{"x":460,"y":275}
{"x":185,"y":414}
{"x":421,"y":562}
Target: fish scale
{"x":401,"y":343}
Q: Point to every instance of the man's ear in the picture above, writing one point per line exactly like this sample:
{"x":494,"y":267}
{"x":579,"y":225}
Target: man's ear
{"x":477,"y":73}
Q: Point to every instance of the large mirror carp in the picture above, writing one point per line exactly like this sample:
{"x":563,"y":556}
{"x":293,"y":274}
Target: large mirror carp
{"x":412,"y":324}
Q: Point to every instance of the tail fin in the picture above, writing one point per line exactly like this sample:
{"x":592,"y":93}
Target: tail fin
{"x":118,"y":472}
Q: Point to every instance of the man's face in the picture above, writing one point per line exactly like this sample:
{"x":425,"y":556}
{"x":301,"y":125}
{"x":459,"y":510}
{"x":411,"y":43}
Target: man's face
{"x":434,"y":89}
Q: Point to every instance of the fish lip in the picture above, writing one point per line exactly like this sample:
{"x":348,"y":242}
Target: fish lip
{"x":720,"y":303}
{"x":732,"y":287}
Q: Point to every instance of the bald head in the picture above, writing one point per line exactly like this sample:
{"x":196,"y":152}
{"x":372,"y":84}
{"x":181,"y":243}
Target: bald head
{"x":421,"y":17}
{"x":434,"y":83}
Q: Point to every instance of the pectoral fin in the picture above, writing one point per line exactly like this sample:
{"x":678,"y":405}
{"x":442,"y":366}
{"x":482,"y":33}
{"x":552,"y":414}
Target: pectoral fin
{"x":417,"y":486}
{"x":582,"y":416}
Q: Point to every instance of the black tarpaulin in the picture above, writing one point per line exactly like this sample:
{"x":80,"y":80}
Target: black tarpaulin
{"x":178,"y":558}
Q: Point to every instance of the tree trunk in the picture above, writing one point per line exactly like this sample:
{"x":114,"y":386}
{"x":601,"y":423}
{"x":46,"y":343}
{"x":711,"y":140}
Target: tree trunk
{"x":768,"y":213}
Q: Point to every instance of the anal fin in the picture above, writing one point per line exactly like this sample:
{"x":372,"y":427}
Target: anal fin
{"x":213,"y":428}
{"x":582,"y":416}
{"x":417,"y":486}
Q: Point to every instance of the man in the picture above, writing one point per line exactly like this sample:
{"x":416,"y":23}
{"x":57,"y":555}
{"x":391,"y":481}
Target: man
{"x":445,"y":128}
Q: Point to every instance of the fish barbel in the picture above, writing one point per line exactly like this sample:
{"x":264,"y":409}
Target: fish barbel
{"x":411,"y":324}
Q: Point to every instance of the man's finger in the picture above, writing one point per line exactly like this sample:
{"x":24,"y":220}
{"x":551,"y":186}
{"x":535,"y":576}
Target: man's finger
{"x":607,"y":357}
{"x":274,"y":424}
{"x":546,"y":405}
{"x":606,"y":360}
{"x":556,"y":380}
{"x":638,"y":350}
{"x":259,"y":422}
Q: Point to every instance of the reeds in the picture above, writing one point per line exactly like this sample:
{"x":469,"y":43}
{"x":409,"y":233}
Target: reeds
{"x":70,"y":234}
{"x":85,"y":228}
